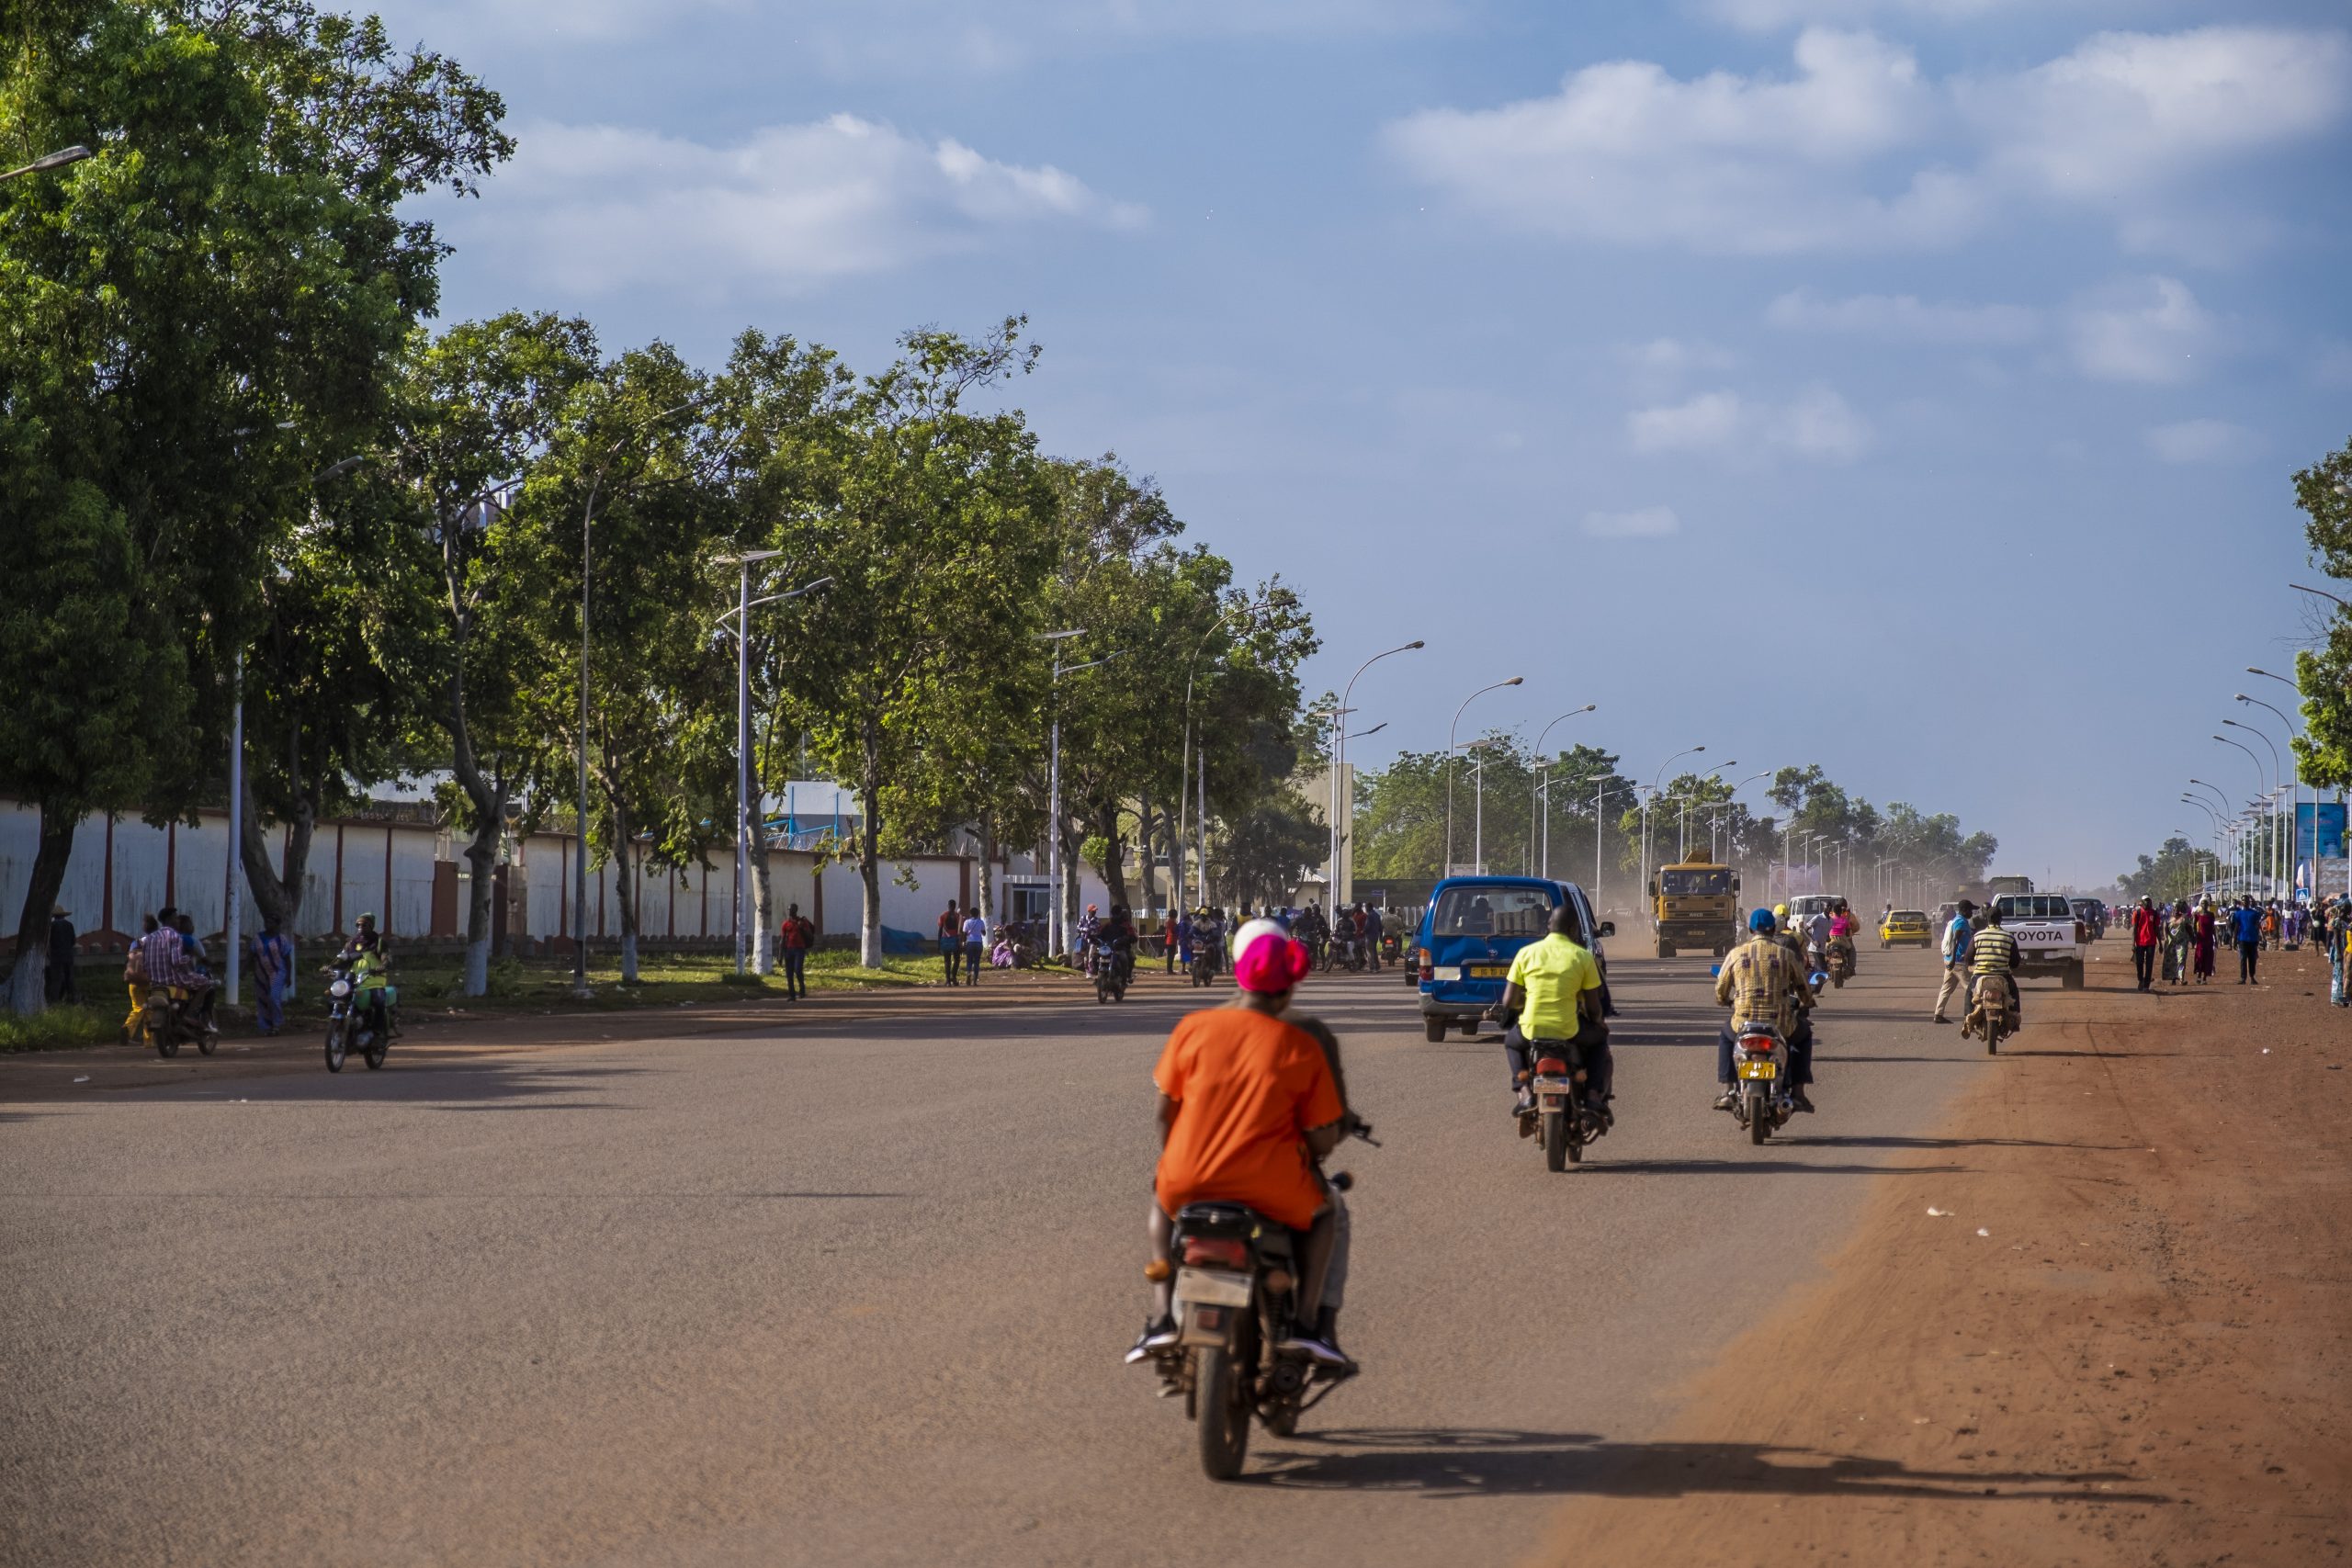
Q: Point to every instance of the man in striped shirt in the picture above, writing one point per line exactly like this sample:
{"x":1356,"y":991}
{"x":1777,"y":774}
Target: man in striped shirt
{"x":1994,"y":958}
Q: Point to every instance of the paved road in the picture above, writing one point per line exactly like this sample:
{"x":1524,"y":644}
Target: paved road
{"x":858,"y":1293}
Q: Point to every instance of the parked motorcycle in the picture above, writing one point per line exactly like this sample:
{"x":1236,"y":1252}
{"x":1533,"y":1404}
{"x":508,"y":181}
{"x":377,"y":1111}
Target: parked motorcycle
{"x":1236,"y":1287}
{"x":1989,"y":1016}
{"x":1565,"y":1124}
{"x":171,"y":1018}
{"x":1110,"y":973}
{"x":1760,"y":1067}
{"x":350,"y":1026}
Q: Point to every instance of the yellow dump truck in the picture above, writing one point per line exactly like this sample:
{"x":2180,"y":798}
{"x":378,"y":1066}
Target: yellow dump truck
{"x":1695,"y":904}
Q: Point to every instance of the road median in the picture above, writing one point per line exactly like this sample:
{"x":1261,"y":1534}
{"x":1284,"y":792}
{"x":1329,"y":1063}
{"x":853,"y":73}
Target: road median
{"x":2112,"y":1334}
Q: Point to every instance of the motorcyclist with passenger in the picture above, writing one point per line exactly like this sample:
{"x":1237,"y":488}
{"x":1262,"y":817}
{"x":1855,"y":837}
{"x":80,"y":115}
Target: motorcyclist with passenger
{"x":1252,"y":1097}
{"x":1842,"y":927}
{"x":371,"y":973}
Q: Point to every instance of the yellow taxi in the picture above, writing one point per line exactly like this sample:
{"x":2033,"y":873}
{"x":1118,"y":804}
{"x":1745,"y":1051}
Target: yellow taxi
{"x":1902,"y":927}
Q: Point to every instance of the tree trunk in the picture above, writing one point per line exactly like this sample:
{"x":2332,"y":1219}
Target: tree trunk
{"x":486,"y":798}
{"x":988,"y":867}
{"x":28,"y":982}
{"x":626,"y":886}
{"x":1151,"y":878}
{"x":764,"y":921}
{"x":869,"y":845}
{"x":1115,"y":856}
{"x":278,"y":891}
{"x":1072,"y":902}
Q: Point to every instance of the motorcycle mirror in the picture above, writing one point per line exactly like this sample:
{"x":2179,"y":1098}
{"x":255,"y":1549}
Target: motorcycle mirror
{"x":1715,"y":971}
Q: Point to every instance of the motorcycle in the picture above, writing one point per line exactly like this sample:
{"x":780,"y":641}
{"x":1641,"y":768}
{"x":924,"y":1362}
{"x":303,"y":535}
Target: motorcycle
{"x":1817,"y":963}
{"x":1110,"y":974}
{"x":1564,"y":1124}
{"x":1840,"y":964}
{"x":1989,"y":1016}
{"x":1760,"y":1065}
{"x":171,"y":1018}
{"x":349,"y":1025}
{"x":1236,"y":1285}
{"x":1206,"y":953}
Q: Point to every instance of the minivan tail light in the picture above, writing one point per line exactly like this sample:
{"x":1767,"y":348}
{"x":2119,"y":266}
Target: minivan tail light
{"x":1421,"y":955}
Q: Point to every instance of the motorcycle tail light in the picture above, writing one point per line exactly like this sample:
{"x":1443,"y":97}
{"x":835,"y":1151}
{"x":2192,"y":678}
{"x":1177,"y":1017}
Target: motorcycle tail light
{"x":1757,"y":1045}
{"x":1231,"y":1252}
{"x":1551,"y":1066}
{"x":1278,"y":1282}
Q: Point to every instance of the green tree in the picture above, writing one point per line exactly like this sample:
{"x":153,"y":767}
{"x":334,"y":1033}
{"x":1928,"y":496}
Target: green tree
{"x":2176,"y":870}
{"x":1262,"y":851}
{"x":2324,"y":674}
{"x":195,"y":314}
{"x":937,"y":531}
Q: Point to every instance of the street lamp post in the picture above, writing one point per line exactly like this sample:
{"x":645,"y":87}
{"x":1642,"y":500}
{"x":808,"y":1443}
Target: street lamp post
{"x":1600,"y":792}
{"x":2278,"y":787}
{"x":2293,"y":790}
{"x":2262,"y":779}
{"x":1656,"y":784}
{"x":1343,"y":810}
{"x":1542,"y":790}
{"x":746,"y":814}
{"x":1185,"y":766}
{"x":1453,"y":748}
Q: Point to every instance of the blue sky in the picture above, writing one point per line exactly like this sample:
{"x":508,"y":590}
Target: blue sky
{"x":1783,"y":375}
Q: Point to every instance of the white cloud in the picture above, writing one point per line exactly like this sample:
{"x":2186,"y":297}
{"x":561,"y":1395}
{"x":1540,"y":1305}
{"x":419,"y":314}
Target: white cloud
{"x":1857,"y":149}
{"x":2145,"y":329}
{"x":599,"y":208}
{"x":2202,"y":441}
{"x":1711,"y":420}
{"x":1772,"y":16}
{"x":1648,"y":523}
{"x":1817,"y":424}
{"x":1904,"y":318}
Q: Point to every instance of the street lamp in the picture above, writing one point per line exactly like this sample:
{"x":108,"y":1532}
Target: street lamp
{"x":2262,"y":779}
{"x":1342,"y":835}
{"x":1452,"y":748}
{"x":1656,"y":784}
{"x":1542,"y":790}
{"x":1054,"y":891}
{"x":48,"y":161}
{"x":1184,"y":765}
{"x":2293,"y":790}
{"x":744,"y":812}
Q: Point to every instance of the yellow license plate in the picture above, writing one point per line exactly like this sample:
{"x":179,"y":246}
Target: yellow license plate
{"x":1486,"y":971}
{"x":1759,"y":1069}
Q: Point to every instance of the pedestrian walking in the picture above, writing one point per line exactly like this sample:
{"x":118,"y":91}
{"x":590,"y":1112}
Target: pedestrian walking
{"x":951,"y":939}
{"x":1959,"y":942}
{"x":2245,"y":928}
{"x":2206,"y":941}
{"x":58,"y":980}
{"x":2335,"y":931}
{"x":272,"y":956}
{"x":797,"y":937}
{"x":976,"y":945}
{"x":1177,"y":940}
{"x":2146,"y":929}
{"x":2180,"y":935}
{"x":134,"y":979}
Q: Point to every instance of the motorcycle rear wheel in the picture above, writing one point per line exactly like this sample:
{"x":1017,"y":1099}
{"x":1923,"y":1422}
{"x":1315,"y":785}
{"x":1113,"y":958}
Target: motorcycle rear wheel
{"x":207,"y":1040}
{"x":1556,"y":1140}
{"x":376,"y":1050}
{"x":1225,"y":1415}
{"x":336,"y":1047}
{"x":1759,"y":1120}
{"x":165,"y":1045}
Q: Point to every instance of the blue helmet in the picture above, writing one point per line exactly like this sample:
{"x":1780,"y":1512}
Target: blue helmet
{"x":1760,"y":921}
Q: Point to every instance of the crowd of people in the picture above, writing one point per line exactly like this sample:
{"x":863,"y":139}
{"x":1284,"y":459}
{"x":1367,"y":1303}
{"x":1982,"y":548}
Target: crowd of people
{"x":2177,"y":943}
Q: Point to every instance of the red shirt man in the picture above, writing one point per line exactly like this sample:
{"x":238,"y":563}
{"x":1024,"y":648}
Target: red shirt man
{"x":2146,"y":928}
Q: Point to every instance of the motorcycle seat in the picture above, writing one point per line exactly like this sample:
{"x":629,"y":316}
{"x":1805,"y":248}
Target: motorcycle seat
{"x":1213,"y":1219}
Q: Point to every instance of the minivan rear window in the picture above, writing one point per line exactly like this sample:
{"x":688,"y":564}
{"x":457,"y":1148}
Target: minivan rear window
{"x":1491,"y":911}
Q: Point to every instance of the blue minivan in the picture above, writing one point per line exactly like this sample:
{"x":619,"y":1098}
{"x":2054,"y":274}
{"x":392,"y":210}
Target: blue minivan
{"x":1472,"y":928}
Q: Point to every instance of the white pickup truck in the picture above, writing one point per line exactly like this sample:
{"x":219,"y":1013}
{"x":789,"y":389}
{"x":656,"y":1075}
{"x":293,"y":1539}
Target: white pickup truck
{"x":2049,"y":935}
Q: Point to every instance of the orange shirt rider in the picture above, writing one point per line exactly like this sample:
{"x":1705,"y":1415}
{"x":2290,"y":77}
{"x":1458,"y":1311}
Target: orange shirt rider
{"x":1249,"y":1104}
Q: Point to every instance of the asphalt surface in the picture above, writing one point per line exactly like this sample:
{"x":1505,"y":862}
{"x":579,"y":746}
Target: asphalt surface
{"x":858,"y":1292}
